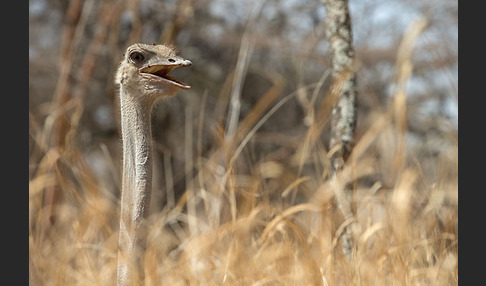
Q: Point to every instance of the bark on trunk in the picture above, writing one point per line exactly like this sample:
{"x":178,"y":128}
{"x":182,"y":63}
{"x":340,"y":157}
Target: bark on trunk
{"x":343,"y":120}
{"x":343,"y":117}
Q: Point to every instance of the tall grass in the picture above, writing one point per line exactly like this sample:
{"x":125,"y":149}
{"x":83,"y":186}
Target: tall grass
{"x":269,"y":226}
{"x":270,"y":221}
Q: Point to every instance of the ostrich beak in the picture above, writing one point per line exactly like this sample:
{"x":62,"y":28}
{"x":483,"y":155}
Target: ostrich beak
{"x":160,"y":71}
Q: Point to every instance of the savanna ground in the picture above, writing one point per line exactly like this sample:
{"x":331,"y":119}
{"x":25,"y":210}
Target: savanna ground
{"x":256,"y":209}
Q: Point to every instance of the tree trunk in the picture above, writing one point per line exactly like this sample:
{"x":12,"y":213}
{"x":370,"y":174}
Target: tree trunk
{"x":343,"y":118}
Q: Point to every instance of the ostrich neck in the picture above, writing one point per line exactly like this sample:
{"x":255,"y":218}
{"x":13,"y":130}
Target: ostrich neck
{"x":137,"y":149}
{"x":136,"y":181}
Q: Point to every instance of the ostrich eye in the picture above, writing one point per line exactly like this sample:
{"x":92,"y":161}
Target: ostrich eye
{"x":136,"y":57}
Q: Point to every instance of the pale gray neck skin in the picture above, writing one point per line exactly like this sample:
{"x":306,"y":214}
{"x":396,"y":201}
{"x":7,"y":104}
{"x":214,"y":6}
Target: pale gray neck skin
{"x":136,"y":181}
{"x":143,"y":77}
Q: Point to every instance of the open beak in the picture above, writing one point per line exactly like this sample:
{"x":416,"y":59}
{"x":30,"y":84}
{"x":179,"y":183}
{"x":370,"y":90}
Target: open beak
{"x":161,"y":71}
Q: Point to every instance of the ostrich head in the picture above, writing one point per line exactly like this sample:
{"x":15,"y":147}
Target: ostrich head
{"x":144,"y":71}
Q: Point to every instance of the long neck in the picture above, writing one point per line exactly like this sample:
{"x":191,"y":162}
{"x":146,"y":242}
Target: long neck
{"x":136,"y":186}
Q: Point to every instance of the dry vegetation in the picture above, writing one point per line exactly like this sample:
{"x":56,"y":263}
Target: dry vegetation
{"x":254,"y":209}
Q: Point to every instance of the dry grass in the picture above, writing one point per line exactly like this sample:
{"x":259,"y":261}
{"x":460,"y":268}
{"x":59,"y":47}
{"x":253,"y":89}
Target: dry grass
{"x":272,"y":224}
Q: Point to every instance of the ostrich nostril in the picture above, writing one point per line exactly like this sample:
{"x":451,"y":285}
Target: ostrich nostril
{"x":172,"y":60}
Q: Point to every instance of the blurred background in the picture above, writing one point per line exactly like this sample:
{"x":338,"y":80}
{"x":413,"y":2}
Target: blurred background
{"x":75,"y":46}
{"x":264,"y":216}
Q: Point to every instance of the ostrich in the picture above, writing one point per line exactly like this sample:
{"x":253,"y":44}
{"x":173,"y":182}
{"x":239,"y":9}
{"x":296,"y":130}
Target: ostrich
{"x":143,"y":77}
